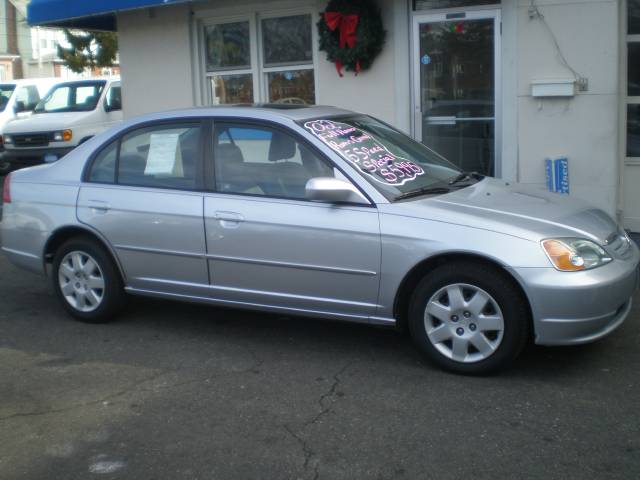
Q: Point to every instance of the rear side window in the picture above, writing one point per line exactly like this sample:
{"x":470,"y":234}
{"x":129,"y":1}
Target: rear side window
{"x":104,"y":166}
{"x":163,"y":156}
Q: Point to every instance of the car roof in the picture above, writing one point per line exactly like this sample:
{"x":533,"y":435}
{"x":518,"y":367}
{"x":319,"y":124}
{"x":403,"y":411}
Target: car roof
{"x":257,"y":111}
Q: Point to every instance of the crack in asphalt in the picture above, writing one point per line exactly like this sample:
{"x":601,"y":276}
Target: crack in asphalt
{"x":332,"y":391}
{"x":85,"y":404}
{"x":325,"y":409}
{"x":257,"y":362}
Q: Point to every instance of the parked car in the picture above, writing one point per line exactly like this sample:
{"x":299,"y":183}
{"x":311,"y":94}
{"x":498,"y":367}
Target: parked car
{"x":318,"y":211}
{"x":18,"y":98}
{"x":70,"y":114}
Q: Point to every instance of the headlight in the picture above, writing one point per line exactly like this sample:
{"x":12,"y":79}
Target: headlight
{"x":62,"y":136}
{"x":7,"y":139}
{"x":573,"y":254}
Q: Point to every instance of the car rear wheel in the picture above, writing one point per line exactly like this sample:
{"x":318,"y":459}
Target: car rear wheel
{"x":469,"y":318}
{"x":86,"y":281}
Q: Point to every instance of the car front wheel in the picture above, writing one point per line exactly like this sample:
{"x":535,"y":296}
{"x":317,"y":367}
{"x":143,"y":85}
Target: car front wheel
{"x":86,"y":281}
{"x":469,"y":318}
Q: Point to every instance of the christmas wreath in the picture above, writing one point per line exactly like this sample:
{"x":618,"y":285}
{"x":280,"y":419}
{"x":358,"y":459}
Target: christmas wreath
{"x":351,"y":33}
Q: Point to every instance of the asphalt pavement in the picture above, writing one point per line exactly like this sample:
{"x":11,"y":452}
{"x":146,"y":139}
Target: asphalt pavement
{"x":177,"y":391}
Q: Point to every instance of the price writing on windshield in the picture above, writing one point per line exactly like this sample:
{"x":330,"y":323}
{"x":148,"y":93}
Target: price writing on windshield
{"x":365,"y":152}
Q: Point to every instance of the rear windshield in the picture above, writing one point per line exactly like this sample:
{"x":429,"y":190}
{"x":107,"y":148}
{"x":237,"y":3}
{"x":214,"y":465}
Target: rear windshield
{"x":6,"y":90}
{"x":71,"y":97}
{"x":391,"y":161}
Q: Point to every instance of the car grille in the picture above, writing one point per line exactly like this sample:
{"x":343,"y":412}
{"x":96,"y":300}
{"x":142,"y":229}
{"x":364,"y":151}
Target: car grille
{"x":31,"y":140}
{"x":619,"y":244}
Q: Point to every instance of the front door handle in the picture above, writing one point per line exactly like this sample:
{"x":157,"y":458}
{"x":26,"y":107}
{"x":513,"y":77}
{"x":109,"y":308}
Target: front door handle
{"x":98,"y":206}
{"x":228,"y":219}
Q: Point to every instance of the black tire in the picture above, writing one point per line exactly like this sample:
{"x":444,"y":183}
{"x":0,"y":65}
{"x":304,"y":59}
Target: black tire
{"x":113,"y":296}
{"x":508,"y":297}
{"x":5,"y":167}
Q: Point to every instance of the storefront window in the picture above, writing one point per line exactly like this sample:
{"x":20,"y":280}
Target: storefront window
{"x":633,"y":69}
{"x":436,"y":4}
{"x":227,"y":46}
{"x":228,"y":89}
{"x":287,"y":40}
{"x":291,"y":87}
{"x":283,"y":74}
{"x":633,"y":17}
{"x":633,"y":130}
{"x":633,"y":79}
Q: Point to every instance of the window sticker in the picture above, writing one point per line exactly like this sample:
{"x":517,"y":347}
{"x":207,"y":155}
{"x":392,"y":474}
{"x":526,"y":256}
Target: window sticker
{"x":365,"y":152}
{"x":164,"y":156}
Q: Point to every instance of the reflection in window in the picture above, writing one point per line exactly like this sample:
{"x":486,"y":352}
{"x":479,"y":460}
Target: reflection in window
{"x":229,"y":89}
{"x":293,"y":87}
{"x":286,"y":40}
{"x":633,"y":130}
{"x":227,"y":46}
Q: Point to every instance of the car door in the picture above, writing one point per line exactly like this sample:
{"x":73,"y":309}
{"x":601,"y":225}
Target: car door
{"x":143,"y":194}
{"x":267,"y":245}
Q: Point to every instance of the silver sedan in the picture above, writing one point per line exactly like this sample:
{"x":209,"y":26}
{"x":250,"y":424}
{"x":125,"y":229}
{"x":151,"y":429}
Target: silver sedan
{"x":317,"y":211}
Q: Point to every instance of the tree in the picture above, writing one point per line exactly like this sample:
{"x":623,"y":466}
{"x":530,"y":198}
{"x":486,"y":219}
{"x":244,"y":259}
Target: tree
{"x":89,"y":50}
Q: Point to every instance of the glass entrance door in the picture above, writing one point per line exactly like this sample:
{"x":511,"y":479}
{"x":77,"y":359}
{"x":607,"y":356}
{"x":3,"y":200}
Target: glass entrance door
{"x":455,"y":62}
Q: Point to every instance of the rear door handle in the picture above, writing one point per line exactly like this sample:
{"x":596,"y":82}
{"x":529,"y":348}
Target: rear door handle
{"x":98,"y":206}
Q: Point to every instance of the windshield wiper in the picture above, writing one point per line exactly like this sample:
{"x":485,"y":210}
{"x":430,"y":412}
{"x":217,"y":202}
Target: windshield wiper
{"x":466,"y":176}
{"x":422,"y":191}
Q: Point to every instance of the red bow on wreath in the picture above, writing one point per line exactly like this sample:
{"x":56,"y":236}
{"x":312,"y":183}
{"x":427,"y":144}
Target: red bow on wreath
{"x":347,"y":26}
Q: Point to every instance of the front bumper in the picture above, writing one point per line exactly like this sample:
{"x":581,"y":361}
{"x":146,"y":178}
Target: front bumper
{"x":27,"y":157}
{"x":571,"y":308}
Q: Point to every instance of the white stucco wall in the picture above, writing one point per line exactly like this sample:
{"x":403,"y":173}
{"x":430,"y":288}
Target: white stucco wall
{"x":155,"y":59}
{"x":373,"y":90}
{"x":585,"y":127}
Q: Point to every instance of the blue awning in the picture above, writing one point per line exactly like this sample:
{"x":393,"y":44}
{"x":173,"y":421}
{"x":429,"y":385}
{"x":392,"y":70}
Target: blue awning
{"x":83,"y":14}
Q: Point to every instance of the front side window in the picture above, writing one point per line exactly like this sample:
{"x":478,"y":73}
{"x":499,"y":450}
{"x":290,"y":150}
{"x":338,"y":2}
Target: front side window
{"x":71,"y":97}
{"x":256,"y":160}
{"x":283,"y":73}
{"x":163,"y":156}
{"x":113,"y":99}
{"x":28,"y":97}
{"x":392,"y":162}
{"x":6,"y":90}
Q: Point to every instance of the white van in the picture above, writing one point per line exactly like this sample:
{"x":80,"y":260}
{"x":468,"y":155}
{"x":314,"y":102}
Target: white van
{"x":18,"y":98}
{"x":70,"y":114}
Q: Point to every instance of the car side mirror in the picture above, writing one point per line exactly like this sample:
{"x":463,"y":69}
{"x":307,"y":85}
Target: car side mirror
{"x":333,"y":190}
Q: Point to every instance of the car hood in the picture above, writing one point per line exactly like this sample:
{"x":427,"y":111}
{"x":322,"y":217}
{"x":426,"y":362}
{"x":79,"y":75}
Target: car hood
{"x":514,"y":209}
{"x":43,"y":122}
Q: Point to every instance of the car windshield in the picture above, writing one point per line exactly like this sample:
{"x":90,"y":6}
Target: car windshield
{"x":71,"y":97}
{"x":392,"y":162}
{"x":6,"y":90}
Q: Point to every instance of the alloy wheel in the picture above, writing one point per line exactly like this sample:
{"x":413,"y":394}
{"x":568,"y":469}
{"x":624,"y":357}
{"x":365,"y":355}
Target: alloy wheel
{"x":81,"y":281}
{"x":464,"y":323}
